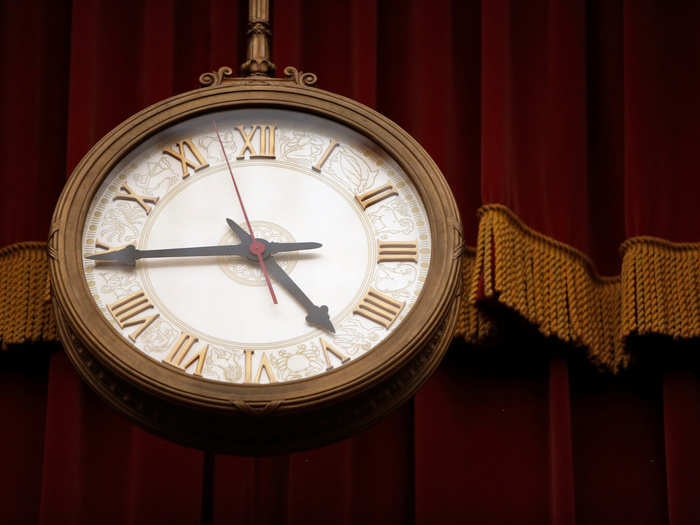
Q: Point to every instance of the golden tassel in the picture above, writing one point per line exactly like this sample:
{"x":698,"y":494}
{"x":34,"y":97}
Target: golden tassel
{"x":25,"y":307}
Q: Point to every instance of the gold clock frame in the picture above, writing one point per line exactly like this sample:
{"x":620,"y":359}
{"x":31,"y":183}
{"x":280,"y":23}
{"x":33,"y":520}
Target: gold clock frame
{"x":242,"y":418}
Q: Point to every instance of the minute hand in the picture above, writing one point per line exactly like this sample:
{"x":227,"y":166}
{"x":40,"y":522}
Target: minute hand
{"x":316,"y":315}
{"x":130,"y":254}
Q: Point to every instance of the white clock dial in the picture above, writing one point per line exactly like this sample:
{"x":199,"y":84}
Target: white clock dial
{"x":303,"y":179}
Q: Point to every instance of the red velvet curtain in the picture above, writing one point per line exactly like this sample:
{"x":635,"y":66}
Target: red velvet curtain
{"x":580,"y":116}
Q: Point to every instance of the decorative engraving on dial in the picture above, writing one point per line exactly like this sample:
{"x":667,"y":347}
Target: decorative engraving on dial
{"x":263,"y":365}
{"x":397,"y":252}
{"x":379,"y":308}
{"x":376,"y":195}
{"x":247,"y":272}
{"x":180,"y":154}
{"x":317,"y":167}
{"x":142,"y":200}
{"x":266,"y":135}
{"x":327,"y":348}
{"x":354,"y":169}
{"x":125,"y":309}
{"x":224,"y":365}
{"x":181,"y":348}
{"x":297,"y":363}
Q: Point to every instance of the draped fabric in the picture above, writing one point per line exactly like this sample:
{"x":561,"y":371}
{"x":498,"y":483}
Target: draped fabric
{"x":580,"y":116}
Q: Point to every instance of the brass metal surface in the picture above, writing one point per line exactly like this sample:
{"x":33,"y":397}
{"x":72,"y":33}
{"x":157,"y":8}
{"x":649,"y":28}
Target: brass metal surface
{"x":255,"y":418}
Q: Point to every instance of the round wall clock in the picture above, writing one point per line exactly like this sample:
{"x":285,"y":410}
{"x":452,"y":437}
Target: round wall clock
{"x":256,"y":266}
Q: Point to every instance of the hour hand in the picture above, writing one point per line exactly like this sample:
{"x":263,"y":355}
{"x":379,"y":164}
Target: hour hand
{"x":278,"y":247}
{"x":128,"y":255}
{"x":242,"y":235}
{"x":271,"y":247}
{"x":316,"y":315}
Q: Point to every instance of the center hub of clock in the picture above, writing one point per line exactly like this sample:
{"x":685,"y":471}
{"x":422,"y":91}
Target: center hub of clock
{"x":256,"y":247}
{"x":247,"y":271}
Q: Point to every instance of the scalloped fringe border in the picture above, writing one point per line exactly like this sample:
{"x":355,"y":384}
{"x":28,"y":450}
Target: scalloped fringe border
{"x":550,"y":284}
{"x":472,"y":324}
{"x":661,"y":283}
{"x":25,"y":301}
{"x":557,"y":289}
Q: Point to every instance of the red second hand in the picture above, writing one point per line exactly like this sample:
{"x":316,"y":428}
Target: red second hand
{"x":256,"y":247}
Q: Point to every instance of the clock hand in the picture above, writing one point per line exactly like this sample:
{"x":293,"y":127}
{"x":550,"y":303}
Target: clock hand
{"x":240,"y":232}
{"x":279,"y":247}
{"x":255,"y":247}
{"x":128,"y":255}
{"x":272,"y":247}
{"x":316,"y":315}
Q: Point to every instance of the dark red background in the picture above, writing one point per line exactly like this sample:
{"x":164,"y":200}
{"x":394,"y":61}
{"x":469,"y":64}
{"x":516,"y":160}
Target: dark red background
{"x":582,"y":117}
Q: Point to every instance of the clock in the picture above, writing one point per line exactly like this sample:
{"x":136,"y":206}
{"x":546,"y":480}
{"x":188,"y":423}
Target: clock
{"x":256,"y":266}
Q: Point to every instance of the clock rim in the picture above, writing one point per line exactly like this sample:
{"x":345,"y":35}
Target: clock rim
{"x":109,"y":347}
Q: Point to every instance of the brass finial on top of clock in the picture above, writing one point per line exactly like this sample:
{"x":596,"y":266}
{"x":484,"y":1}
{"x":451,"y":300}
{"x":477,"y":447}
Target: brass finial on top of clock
{"x":258,"y":63}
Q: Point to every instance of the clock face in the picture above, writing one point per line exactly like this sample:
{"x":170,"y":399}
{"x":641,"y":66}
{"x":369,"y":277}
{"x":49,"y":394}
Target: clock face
{"x":171,"y":262}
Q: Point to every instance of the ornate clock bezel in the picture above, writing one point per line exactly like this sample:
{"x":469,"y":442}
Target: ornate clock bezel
{"x":198,"y":411}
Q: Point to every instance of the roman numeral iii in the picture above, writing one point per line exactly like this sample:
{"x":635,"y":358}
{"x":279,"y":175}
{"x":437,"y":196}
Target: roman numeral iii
{"x":379,"y":308}
{"x":126,"y":309}
{"x":377,"y":195}
{"x":180,"y":153}
{"x":397,"y":252}
{"x":266,"y":137}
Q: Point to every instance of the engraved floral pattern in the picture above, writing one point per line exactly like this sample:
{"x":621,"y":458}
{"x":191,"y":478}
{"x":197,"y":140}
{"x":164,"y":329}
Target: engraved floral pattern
{"x":304,"y":361}
{"x":352,"y":170}
{"x":298,"y":146}
{"x":391,"y":218}
{"x":224,"y":365}
{"x":356,"y":165}
{"x":159,"y":337}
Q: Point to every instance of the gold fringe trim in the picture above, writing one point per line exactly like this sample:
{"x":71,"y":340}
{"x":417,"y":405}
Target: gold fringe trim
{"x":661,"y":283}
{"x":472,"y":324}
{"x":550,"y":284}
{"x":25,"y":303}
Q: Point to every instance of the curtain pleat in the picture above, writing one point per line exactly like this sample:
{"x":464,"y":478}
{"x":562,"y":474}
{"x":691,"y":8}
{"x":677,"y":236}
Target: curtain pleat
{"x":580,"y":116}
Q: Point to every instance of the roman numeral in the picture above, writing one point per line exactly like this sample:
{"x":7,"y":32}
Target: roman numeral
{"x":337,"y":353}
{"x":317,"y":167}
{"x":267,"y":142}
{"x":180,"y":350}
{"x":397,"y":252}
{"x":125,"y":309}
{"x":379,"y":308}
{"x":142,"y":200}
{"x":374,"y":196}
{"x":264,"y":364}
{"x":181,"y":154}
